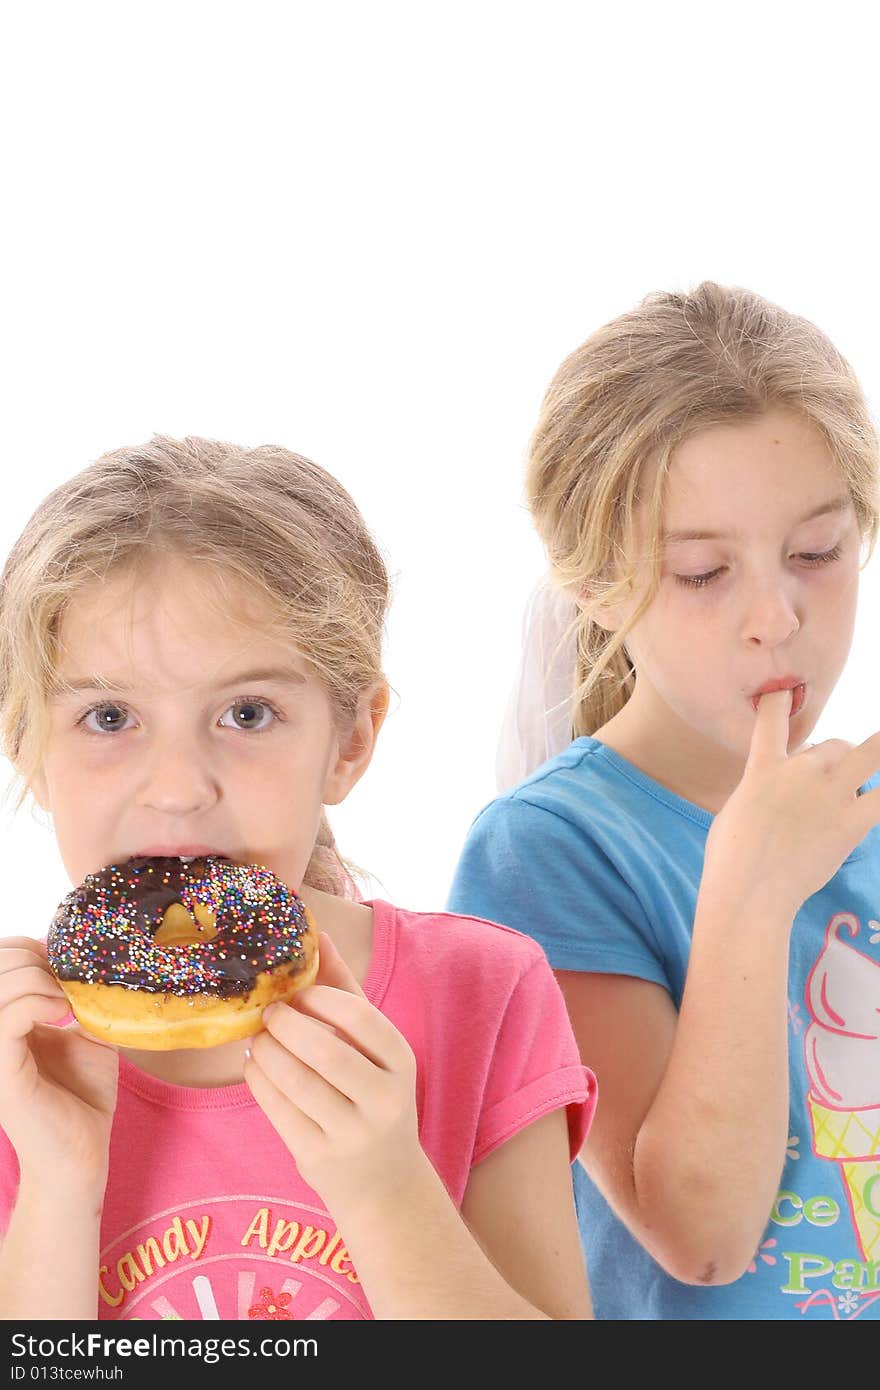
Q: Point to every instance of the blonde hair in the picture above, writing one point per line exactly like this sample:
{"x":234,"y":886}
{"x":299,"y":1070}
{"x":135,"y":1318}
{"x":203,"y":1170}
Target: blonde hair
{"x":619,"y":406}
{"x":265,"y":516}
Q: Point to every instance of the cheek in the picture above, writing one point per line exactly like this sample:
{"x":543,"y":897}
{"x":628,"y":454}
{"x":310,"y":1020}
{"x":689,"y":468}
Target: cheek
{"x":278,"y":785}
{"x":683,"y":647}
{"x":84,"y":817}
{"x":72,"y":777}
{"x":678,"y":630}
{"x":834,"y":592}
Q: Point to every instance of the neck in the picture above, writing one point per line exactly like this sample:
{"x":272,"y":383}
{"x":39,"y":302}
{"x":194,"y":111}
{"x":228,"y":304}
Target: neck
{"x":655,"y":740}
{"x":194,"y":1066}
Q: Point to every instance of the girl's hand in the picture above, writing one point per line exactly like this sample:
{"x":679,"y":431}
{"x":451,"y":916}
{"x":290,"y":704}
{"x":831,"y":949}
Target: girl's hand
{"x":337,"y":1081}
{"x":57,"y":1084}
{"x":792,"y":821}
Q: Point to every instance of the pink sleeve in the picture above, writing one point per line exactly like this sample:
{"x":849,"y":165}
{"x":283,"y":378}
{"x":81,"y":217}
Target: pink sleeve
{"x":8,"y":1180}
{"x":535,"y":1068}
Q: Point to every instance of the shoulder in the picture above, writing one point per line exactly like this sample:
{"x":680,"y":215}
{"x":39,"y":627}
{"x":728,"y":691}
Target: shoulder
{"x":460,"y":961}
{"x":578,"y":856}
{"x":433,"y":940}
{"x":577,"y":806}
{"x":540,"y":847}
{"x":492,"y":981}
{"x":574,"y":787}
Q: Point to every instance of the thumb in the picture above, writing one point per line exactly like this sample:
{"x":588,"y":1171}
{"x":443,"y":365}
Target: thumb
{"x":770,"y":733}
{"x":332,"y":969}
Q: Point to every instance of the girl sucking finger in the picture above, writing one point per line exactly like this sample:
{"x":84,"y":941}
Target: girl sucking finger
{"x":704,"y":476}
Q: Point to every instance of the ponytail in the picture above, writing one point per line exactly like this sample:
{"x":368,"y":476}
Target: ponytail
{"x":603,"y":679}
{"x":327,"y":871}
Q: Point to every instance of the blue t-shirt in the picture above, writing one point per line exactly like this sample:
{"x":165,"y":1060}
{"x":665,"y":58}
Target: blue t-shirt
{"x":601,"y":865}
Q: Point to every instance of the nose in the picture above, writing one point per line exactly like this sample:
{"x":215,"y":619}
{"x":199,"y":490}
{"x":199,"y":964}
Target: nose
{"x":770,"y":618}
{"x":177,"y":779}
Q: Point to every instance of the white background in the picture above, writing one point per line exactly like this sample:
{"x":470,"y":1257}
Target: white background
{"x":370,"y":232}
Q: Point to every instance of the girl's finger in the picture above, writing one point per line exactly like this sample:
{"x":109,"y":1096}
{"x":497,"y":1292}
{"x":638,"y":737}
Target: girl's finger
{"x":23,"y":943}
{"x":18,"y":1018}
{"x":357,"y":1020}
{"x":27,"y":978}
{"x":17,"y":957}
{"x":310,"y":1092}
{"x":281,"y":1112}
{"x":862,"y":762}
{"x":341,"y":1064}
{"x":771,"y":728}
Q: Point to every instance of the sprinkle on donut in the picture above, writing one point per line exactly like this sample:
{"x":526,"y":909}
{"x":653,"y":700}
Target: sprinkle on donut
{"x":126,"y":926}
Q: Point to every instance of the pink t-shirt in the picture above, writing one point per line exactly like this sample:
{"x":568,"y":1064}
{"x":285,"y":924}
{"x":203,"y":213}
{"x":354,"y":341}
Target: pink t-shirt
{"x":205,"y":1214}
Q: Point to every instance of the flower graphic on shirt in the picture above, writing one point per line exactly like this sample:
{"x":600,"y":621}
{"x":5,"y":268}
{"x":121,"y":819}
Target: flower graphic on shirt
{"x":272,"y":1307}
{"x":794,"y":1017}
{"x":791,"y":1148}
{"x":874,"y":928}
{"x":848,"y":1302}
{"x":767,"y":1259}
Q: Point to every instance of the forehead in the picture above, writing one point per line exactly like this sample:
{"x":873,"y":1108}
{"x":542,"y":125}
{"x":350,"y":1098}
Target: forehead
{"x":174,"y":620}
{"x":768,"y":469}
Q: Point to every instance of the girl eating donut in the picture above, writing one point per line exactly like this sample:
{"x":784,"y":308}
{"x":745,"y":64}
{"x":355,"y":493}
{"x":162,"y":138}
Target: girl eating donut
{"x":190,"y":671}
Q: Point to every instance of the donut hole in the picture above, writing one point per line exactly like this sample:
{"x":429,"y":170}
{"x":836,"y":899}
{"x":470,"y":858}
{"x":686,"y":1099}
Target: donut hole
{"x":180,"y":928}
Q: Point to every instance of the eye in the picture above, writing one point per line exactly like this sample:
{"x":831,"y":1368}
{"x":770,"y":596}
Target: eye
{"x":105,"y":719}
{"x":249,"y":715}
{"x":821,"y":557}
{"x":699,"y":581}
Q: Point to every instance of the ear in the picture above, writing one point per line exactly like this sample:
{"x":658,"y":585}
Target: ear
{"x":357,"y":744}
{"x":609,"y":616}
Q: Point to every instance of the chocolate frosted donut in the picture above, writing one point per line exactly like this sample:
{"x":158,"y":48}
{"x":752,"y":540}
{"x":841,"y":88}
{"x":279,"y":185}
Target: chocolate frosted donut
{"x":167,"y":953}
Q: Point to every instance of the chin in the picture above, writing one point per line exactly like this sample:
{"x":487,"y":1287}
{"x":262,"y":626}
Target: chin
{"x":732,"y":741}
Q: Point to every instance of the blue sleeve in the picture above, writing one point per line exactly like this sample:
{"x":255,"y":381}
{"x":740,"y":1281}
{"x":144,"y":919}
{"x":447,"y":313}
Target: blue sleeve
{"x":530,"y":869}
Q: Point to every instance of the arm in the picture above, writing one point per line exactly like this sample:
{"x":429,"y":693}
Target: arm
{"x":539,"y":1251}
{"x":690,"y":1138}
{"x":49,"y":1257}
{"x":57,"y":1097}
{"x":337,"y":1081}
{"x":507,"y":1259}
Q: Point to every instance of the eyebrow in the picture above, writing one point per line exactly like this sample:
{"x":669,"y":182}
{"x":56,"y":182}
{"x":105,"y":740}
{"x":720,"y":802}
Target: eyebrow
{"x":280,"y":675}
{"x":839,"y":504}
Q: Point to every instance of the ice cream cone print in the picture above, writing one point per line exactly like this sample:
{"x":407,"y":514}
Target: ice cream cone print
{"x":852,"y":1139}
{"x":842,"y":1055}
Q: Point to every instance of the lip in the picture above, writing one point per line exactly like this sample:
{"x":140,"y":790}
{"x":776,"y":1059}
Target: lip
{"x":175,"y":852}
{"x":797,"y":686}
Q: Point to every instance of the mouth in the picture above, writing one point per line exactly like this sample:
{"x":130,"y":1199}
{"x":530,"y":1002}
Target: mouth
{"x":184,"y":852}
{"x":797,"y":687}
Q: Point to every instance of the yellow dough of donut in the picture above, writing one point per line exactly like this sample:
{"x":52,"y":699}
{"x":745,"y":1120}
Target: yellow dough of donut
{"x":160,"y":1022}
